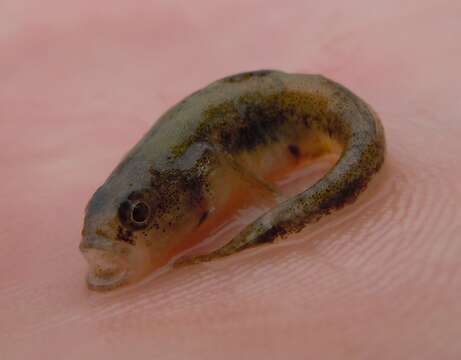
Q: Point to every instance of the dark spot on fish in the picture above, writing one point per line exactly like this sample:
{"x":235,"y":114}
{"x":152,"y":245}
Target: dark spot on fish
{"x":305,"y":121}
{"x":349,"y":192}
{"x":124,"y":212}
{"x":203,"y":217}
{"x":294,"y":150}
{"x":250,"y":121}
{"x":271,"y":234}
{"x":125,"y":235}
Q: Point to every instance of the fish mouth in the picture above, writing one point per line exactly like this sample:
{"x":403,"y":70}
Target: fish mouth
{"x":108,"y":269}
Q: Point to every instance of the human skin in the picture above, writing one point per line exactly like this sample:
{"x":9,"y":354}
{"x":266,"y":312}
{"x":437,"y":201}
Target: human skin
{"x":82,"y":82}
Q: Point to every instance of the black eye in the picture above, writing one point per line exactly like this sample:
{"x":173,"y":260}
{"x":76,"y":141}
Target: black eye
{"x":140,"y":212}
{"x":135,"y":214}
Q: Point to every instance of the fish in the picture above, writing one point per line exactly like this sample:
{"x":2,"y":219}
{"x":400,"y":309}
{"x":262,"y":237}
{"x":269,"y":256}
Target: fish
{"x":218,"y":150}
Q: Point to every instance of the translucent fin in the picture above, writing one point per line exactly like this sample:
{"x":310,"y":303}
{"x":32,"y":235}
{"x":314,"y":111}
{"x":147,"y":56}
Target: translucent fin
{"x":251,"y":177}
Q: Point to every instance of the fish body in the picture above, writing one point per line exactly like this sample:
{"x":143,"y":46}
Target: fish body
{"x":217,"y":150}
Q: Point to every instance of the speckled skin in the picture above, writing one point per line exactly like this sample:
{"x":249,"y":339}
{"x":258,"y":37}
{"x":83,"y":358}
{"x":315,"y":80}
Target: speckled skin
{"x":203,"y":150}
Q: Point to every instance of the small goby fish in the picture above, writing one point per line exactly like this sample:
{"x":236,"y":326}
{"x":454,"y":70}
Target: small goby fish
{"x":210,"y":152}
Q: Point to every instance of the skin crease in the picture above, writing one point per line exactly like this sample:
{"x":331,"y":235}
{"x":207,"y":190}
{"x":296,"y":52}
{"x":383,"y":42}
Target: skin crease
{"x":81,"y":82}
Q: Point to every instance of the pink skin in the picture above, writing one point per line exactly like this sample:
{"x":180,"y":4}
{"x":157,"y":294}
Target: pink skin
{"x":82,"y":81}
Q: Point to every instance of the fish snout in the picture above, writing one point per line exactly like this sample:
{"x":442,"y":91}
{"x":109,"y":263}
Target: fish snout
{"x":108,"y":267}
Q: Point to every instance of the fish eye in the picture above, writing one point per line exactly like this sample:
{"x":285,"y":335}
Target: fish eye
{"x":140,"y":213}
{"x":134,"y":213}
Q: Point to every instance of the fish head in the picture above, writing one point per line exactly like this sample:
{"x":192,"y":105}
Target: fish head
{"x":121,"y":236}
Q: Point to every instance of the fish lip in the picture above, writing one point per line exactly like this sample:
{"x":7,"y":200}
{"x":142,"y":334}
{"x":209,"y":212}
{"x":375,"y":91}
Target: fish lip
{"x":108,"y":268}
{"x":95,"y":282}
